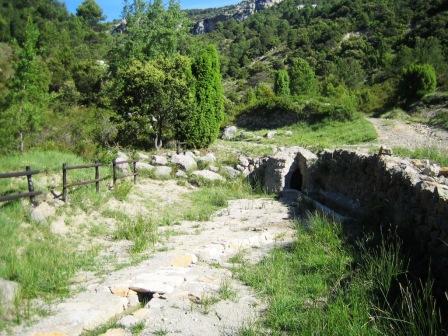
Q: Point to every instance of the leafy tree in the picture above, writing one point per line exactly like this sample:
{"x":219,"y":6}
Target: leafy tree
{"x":281,"y":83}
{"x":417,"y":80}
{"x":28,"y":96}
{"x":152,"y":30}
{"x":156,"y":95}
{"x":201,"y":127}
{"x":91,"y":12}
{"x":302,"y":77}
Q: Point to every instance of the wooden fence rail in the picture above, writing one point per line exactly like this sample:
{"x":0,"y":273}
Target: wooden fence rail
{"x":65,"y":183}
{"x":31,"y":193}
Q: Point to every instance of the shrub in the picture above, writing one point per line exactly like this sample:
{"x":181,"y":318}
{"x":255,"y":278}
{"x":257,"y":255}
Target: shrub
{"x":281,"y":111}
{"x":281,"y":83}
{"x":417,"y":80}
{"x":302,"y":78}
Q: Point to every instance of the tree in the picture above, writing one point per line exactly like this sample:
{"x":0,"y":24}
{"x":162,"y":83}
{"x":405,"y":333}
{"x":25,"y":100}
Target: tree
{"x":201,"y":127}
{"x":302,"y":78}
{"x":29,"y":91}
{"x":281,"y":83}
{"x":417,"y":80}
{"x":157,"y":94}
{"x":151,"y":31}
{"x":91,"y":12}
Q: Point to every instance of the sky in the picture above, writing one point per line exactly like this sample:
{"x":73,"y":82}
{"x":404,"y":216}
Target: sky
{"x":112,"y":8}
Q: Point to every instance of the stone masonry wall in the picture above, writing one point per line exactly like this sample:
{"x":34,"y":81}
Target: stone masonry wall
{"x":407,"y":195}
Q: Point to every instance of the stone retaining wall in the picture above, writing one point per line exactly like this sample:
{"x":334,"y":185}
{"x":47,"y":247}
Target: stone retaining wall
{"x":387,"y":191}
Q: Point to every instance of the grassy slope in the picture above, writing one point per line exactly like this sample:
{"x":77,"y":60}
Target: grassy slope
{"x":321,"y":287}
{"x":432,"y":154}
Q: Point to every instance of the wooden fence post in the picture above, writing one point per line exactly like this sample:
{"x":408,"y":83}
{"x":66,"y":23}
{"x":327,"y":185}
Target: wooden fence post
{"x":29,"y":178}
{"x":114,"y":172}
{"x":134,"y":169}
{"x":64,"y":182}
{"x":97,"y":176}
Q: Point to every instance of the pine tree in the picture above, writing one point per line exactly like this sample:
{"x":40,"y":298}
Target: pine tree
{"x":302,"y":77}
{"x":281,"y":83}
{"x":202,"y":126}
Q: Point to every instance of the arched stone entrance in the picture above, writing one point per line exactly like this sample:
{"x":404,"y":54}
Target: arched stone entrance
{"x":296,"y":180}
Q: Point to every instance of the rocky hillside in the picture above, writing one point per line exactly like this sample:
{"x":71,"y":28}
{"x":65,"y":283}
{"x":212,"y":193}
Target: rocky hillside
{"x":239,"y":12}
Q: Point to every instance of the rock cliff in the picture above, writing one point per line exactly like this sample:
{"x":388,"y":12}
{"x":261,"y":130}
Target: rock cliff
{"x":239,"y":12}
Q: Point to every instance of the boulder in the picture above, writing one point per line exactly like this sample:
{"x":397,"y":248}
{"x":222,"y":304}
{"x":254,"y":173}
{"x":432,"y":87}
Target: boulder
{"x":8,"y":293}
{"x":142,"y":156}
{"x":230,"y":172}
{"x":124,"y":168}
{"x":42,"y":212}
{"x":184,"y":161}
{"x":159,"y":160}
{"x":144,"y":166}
{"x":181,"y":174}
{"x":209,"y":158}
{"x":243,"y":161}
{"x":271,"y":134}
{"x":214,"y":169}
{"x":208,"y":175}
{"x":162,"y":171}
{"x":229,"y":133}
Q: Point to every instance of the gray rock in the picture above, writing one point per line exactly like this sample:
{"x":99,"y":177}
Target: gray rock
{"x":159,"y":160}
{"x":8,"y":293}
{"x":431,"y":170}
{"x":128,"y":321}
{"x":208,"y":175}
{"x":142,"y":156}
{"x":144,"y":166}
{"x":181,"y":174}
{"x":243,"y":161}
{"x":229,"y":133}
{"x":162,"y":171}
{"x":184,"y":161}
{"x":213,"y":169}
{"x":230,"y":172}
{"x":42,"y":212}
{"x":209,"y":158}
{"x":124,"y":167}
{"x":271,"y":134}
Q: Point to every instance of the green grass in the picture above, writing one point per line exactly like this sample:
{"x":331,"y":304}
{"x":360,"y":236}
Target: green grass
{"x":329,"y":134}
{"x":433,"y":154}
{"x":39,"y":261}
{"x":319,"y":286}
{"x":141,"y":231}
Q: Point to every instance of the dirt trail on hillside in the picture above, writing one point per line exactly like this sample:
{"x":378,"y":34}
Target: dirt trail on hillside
{"x":398,"y":133}
{"x":189,"y":282}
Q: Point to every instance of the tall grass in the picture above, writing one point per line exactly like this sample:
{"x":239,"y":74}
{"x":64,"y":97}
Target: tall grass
{"x":320,"y":286}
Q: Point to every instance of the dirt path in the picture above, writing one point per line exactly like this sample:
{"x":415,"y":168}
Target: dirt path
{"x":398,"y":133}
{"x":188,"y":283}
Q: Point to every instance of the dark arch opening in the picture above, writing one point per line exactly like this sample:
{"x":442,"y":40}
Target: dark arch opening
{"x":296,"y":180}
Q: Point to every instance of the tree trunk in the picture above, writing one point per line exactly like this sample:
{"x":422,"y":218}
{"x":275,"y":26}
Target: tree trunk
{"x":22,"y":146}
{"x":158,"y":141}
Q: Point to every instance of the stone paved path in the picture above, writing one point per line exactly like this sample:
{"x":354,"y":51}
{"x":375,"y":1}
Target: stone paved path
{"x":185,"y":284}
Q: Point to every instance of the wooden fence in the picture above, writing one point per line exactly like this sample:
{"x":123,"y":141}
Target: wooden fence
{"x":65,"y":183}
{"x":29,"y":176}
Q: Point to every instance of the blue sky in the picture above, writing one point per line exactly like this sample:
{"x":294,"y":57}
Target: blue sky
{"x":112,"y":8}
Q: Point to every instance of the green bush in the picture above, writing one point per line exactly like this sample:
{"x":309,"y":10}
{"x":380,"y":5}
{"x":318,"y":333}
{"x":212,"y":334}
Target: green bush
{"x":281,"y":83}
{"x":302,"y":77}
{"x":277,"y":112}
{"x":417,"y":80}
